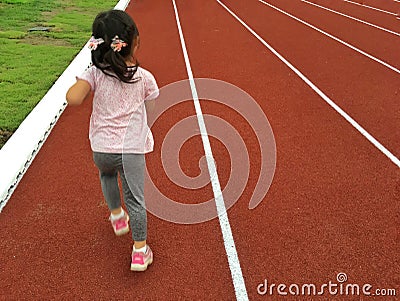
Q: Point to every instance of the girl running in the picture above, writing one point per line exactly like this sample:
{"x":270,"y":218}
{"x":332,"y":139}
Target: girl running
{"x":122,"y":93}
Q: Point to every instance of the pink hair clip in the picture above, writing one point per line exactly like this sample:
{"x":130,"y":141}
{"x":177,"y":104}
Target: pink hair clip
{"x":93,"y":43}
{"x":117,"y":44}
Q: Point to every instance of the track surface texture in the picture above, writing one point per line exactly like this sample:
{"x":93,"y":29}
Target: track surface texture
{"x":333,"y":206}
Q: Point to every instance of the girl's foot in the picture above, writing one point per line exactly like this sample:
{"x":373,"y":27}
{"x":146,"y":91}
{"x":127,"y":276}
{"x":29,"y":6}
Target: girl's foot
{"x":121,"y":224}
{"x":141,"y":260}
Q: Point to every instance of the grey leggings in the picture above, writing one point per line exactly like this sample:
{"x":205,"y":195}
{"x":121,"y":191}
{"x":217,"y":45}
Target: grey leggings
{"x":110,"y":165}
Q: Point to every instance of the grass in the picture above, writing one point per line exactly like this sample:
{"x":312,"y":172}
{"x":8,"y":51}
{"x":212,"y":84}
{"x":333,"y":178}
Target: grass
{"x":31,"y":61}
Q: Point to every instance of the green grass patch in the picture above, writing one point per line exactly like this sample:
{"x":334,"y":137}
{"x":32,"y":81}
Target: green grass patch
{"x":31,"y":61}
{"x":26,"y":73}
{"x":16,"y":1}
{"x":12,"y":34}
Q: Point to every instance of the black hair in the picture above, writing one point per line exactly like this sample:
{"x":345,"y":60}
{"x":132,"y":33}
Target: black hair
{"x":107,"y":25}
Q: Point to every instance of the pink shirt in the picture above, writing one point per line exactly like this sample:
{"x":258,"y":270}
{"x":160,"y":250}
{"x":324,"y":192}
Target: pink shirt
{"x":119,"y":122}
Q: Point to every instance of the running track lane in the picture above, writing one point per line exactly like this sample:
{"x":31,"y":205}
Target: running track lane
{"x":333,"y":206}
{"x":378,"y":43}
{"x":368,"y":15}
{"x":387,"y":7}
{"x":366,"y":90}
{"x":56,"y":240}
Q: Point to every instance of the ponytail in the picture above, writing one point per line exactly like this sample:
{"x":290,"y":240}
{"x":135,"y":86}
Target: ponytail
{"x":117,"y":31}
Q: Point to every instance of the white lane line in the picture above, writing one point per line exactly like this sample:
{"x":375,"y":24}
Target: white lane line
{"x":233,"y":259}
{"x":334,"y":38}
{"x":371,"y":7}
{"x":350,"y":17}
{"x":359,"y":128}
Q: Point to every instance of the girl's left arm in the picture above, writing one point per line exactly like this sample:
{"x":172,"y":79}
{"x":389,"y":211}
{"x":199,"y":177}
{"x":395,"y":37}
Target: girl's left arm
{"x":78,"y":92}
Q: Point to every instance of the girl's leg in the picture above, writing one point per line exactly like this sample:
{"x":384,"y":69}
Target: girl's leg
{"x":108,"y":171}
{"x":108,"y":165}
{"x":132,"y":177}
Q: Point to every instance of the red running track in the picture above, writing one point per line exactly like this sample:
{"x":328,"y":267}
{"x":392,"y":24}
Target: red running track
{"x":333,"y":205}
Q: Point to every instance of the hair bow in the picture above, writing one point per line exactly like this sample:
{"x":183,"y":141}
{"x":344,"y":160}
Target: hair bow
{"x":93,"y":43}
{"x":117,"y":44}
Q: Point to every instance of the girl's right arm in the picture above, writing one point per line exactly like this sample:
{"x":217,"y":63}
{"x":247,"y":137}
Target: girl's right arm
{"x":78,"y":92}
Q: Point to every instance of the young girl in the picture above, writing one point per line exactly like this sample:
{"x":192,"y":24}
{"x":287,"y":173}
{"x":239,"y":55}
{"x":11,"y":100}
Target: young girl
{"x":122,"y":92}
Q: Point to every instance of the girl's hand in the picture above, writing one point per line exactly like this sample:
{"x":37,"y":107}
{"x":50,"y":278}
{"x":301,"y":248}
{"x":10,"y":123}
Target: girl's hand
{"x":78,"y":92}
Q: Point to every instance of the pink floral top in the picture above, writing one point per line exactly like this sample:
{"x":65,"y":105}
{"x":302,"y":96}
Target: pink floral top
{"x":119,"y":122}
